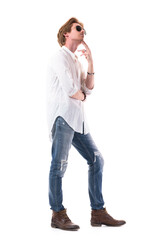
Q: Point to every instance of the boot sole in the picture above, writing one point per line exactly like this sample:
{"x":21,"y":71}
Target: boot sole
{"x":100,"y":224}
{"x":66,"y":229}
{"x":96,"y":224}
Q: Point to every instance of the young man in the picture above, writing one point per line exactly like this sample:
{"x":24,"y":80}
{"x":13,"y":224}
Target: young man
{"x":68,"y":88}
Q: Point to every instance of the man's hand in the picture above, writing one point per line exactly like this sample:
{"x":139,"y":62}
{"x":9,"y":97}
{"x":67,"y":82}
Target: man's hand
{"x":87,"y":53}
{"x":79,"y":95}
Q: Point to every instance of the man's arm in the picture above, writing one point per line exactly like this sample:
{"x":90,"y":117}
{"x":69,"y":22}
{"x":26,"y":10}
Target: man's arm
{"x":63,"y":72}
{"x":90,"y":75}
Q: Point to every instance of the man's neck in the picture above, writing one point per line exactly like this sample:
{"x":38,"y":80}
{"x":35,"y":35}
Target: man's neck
{"x":72,"y":46}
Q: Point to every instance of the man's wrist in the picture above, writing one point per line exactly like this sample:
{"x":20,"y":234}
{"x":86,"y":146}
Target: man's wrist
{"x":84,"y":96}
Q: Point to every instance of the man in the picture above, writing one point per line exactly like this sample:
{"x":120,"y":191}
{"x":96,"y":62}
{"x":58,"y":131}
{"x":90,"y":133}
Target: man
{"x":68,"y":88}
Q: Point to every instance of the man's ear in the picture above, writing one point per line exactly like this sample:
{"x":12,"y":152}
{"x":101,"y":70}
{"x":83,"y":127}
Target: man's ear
{"x":65,"y":35}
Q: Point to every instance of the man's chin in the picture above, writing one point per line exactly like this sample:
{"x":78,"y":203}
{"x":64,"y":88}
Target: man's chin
{"x":82,"y":38}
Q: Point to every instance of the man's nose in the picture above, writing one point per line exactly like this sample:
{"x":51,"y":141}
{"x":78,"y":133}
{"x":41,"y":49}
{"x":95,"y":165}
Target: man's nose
{"x":84,"y":31}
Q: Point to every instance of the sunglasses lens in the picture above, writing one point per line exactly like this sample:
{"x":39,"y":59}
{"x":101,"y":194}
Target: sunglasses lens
{"x":78,"y":28}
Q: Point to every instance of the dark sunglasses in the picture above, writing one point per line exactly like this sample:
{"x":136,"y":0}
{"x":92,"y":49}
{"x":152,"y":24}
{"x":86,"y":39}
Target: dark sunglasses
{"x":79,"y":29}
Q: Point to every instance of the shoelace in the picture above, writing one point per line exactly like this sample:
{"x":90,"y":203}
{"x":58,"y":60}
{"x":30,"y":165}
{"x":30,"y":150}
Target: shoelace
{"x":65,"y":217}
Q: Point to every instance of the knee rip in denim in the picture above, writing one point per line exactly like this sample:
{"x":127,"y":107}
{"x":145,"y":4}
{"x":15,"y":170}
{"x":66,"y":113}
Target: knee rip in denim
{"x":63,"y":167}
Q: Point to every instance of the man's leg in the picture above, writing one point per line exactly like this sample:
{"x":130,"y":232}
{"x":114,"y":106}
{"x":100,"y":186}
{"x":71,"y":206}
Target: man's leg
{"x":62,"y":135}
{"x":87,"y":148}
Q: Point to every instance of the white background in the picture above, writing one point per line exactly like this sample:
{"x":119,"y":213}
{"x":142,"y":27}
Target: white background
{"x":123,"y":114}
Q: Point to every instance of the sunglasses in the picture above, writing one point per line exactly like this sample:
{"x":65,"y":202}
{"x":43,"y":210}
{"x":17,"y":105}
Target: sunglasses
{"x":79,"y":29}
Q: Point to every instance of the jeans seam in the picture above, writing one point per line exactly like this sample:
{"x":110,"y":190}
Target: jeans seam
{"x":56,"y":194}
{"x":85,"y":149}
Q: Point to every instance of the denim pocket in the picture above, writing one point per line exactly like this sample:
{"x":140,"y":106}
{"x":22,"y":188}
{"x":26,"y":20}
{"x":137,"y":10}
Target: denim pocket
{"x":62,"y":123}
{"x":58,"y":122}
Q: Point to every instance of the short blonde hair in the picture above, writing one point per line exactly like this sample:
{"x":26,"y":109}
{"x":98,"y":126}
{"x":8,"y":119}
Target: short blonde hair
{"x":66,"y":28}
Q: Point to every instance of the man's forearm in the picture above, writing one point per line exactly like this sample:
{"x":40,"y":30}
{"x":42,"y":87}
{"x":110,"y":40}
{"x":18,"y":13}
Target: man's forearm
{"x":90,"y":78}
{"x":79,"y":95}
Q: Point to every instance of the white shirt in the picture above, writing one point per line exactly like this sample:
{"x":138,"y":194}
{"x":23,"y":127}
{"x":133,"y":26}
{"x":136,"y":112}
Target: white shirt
{"x":65,"y":77}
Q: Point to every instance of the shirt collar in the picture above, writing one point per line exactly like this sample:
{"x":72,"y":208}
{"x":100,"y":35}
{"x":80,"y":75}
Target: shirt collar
{"x":71,"y":53}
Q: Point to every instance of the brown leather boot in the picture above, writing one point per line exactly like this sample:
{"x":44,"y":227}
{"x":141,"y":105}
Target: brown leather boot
{"x":62,"y":221}
{"x":101,"y":217}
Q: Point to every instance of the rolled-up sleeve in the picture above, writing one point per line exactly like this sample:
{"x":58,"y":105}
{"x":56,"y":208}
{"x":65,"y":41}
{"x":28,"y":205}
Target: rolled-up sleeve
{"x":85,"y":89}
{"x":63,"y":72}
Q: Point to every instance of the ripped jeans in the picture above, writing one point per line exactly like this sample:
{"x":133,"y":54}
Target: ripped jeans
{"x":62,"y":138}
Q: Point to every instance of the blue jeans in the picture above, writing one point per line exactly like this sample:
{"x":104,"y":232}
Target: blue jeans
{"x":62,"y":138}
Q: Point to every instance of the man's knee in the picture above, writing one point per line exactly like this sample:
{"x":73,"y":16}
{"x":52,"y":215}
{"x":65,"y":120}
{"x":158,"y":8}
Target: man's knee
{"x":63,"y":167}
{"x":98,"y":162}
{"x":58,"y":169}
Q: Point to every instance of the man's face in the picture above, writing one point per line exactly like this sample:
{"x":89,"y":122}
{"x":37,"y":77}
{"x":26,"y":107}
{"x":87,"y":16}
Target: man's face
{"x":75,"y":35}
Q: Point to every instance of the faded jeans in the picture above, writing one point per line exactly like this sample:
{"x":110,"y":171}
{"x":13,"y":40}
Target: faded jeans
{"x":62,"y":138}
